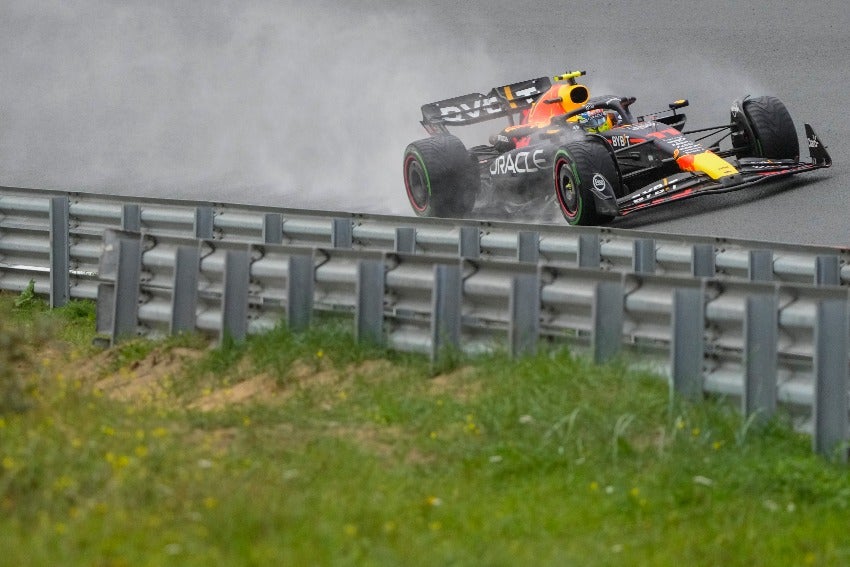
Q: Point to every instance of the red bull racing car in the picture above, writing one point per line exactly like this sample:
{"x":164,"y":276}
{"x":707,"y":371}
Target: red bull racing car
{"x":590,"y":156}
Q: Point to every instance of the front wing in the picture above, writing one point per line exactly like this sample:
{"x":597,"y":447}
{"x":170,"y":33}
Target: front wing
{"x":752,"y":171}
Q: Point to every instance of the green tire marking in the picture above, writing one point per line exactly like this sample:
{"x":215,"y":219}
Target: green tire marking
{"x":579,"y":200}
{"x":421,"y":161}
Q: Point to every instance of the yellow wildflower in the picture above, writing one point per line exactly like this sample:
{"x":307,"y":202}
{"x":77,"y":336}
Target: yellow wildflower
{"x":433,"y":501}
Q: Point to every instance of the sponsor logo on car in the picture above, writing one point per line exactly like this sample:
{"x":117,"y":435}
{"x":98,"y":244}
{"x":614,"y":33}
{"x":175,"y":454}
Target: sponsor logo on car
{"x":463,"y":111}
{"x":521,"y":162}
{"x":620,"y":141}
{"x":639,"y":126}
{"x":655,"y":191}
{"x":681,"y":144}
{"x":598,"y":182}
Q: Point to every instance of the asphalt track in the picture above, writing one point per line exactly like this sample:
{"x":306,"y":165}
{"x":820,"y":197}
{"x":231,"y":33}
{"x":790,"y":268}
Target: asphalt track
{"x":311,"y":104}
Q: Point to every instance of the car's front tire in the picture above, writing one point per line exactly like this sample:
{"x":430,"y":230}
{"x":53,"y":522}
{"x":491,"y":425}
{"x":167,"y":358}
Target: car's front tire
{"x":765,"y":130}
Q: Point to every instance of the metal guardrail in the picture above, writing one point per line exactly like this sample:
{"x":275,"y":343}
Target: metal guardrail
{"x":32,"y":221}
{"x":749,"y":325}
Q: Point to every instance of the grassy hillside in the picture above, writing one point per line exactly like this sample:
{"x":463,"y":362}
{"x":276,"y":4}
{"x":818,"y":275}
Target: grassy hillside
{"x":311,"y":450}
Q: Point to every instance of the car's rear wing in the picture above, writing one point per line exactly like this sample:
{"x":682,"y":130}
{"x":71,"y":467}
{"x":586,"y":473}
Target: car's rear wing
{"x":504,"y":101}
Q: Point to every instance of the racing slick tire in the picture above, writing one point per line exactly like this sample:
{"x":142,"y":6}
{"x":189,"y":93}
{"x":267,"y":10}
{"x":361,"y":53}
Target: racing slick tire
{"x":771,"y":133}
{"x":576,"y":165}
{"x":441,"y":177}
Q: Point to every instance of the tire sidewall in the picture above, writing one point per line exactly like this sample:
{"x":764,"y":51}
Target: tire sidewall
{"x":414,"y":165}
{"x":571,"y":205}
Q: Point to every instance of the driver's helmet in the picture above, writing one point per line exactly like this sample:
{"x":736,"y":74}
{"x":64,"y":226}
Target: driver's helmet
{"x":598,"y":120}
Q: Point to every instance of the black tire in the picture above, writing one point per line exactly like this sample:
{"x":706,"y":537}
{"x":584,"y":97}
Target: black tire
{"x":441,"y":177}
{"x":575,"y":166}
{"x":773,"y":133}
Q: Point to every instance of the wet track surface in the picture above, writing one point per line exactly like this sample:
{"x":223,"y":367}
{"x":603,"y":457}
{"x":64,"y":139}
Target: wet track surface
{"x":272,"y":103}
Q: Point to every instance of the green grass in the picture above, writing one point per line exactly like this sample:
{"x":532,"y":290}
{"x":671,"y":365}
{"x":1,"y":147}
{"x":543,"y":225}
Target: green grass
{"x":349,"y":455}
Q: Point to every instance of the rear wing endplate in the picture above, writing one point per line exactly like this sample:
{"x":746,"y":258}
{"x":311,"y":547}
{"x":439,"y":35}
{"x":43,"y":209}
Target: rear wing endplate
{"x":472,"y":108}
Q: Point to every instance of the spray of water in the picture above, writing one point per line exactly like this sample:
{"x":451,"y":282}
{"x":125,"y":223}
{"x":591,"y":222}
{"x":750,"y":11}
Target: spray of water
{"x":279,"y":103}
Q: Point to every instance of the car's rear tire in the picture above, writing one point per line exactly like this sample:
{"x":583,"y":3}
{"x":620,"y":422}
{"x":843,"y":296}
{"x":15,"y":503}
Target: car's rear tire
{"x":771,"y":133}
{"x":576,"y":164}
{"x":441,"y":177}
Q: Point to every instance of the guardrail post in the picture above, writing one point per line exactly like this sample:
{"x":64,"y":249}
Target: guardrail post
{"x":688,"y":348}
{"x":469,"y":242}
{"x":184,"y":298}
{"x":761,"y":334}
{"x":827,"y":270}
{"x":234,"y":301}
{"x":125,"y":308}
{"x":446,"y":303}
{"x":589,"y":251}
{"x":703,"y":261}
{"x":60,"y":251}
{"x":107,"y":269}
{"x":830,"y":369}
{"x":760,"y":266}
{"x":607,"y":314}
{"x":131,"y":217}
{"x":204,"y":222}
{"x":299,"y":292}
{"x":643,"y":259}
{"x":405,"y":240}
{"x":369,"y":311}
{"x":272,"y":228}
{"x":342,"y":233}
{"x":524,"y":307}
{"x":104,"y":308}
{"x":528,"y":246}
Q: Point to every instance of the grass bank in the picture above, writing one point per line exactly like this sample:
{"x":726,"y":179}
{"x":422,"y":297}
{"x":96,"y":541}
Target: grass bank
{"x":311,"y":450}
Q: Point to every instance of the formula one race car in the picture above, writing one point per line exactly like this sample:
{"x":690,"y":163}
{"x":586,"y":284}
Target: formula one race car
{"x":589,"y":155}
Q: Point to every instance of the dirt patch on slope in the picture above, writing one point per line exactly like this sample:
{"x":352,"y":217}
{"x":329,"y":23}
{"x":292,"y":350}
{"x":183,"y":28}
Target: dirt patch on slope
{"x":459,"y":385}
{"x":154,"y":380}
{"x":148,"y":380}
{"x":257,"y":388}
